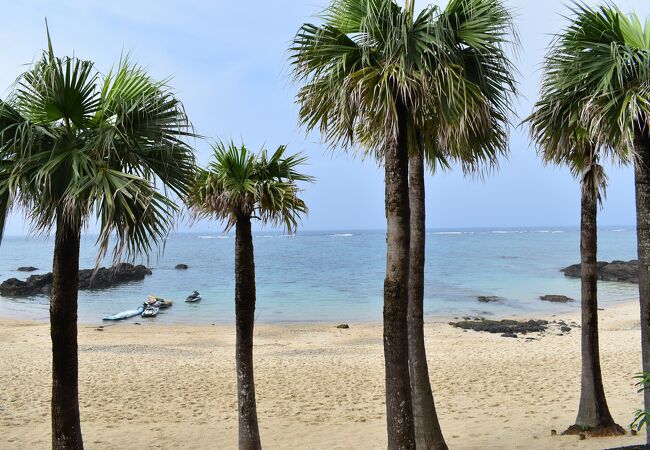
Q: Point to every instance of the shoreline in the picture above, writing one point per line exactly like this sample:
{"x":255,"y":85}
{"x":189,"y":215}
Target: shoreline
{"x":429,"y":318}
{"x":173,"y":386}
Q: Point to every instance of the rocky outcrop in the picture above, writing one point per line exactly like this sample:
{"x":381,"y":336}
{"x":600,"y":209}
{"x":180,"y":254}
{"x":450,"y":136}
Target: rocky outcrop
{"x":181,"y":267}
{"x":507,"y":327}
{"x":622,"y":271}
{"x":102,"y":278}
{"x":27,"y":269}
{"x":556,"y":298}
{"x":35,"y":285}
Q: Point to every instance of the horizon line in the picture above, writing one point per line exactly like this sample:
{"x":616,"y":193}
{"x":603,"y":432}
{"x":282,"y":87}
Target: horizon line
{"x":327,"y":230}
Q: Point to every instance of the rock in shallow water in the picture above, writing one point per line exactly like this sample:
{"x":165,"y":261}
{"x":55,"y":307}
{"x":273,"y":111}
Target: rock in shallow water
{"x":556,"y":298}
{"x":623,"y":271}
{"x":489,"y":299}
{"x":27,"y":269}
{"x":182,"y":267}
{"x":102,"y":278}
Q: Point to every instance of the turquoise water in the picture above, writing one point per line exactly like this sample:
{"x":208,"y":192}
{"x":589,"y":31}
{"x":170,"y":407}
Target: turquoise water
{"x":338,"y":276}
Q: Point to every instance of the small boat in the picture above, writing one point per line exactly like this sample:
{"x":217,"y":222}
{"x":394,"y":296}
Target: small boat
{"x":150,"y":311}
{"x":159,"y":302}
{"x":126,"y":314}
{"x":193,"y":297}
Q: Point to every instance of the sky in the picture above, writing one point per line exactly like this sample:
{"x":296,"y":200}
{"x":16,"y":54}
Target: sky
{"x":228,"y":63}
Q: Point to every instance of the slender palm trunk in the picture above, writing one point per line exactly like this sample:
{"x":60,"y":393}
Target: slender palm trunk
{"x":425,"y":420}
{"x":249,"y":433}
{"x":593,"y":413}
{"x":66,"y":426}
{"x":398,"y":389}
{"x":642,"y":183}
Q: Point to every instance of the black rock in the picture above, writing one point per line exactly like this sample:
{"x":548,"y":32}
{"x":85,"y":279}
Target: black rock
{"x":489,"y":299}
{"x":565,"y":329}
{"x":343,"y":326}
{"x":102,"y":278}
{"x":27,"y":269}
{"x":35,"y":285}
{"x":502,"y":326}
{"x":182,"y":267}
{"x":556,"y":298}
{"x":622,"y":271}
{"x":509,"y":335}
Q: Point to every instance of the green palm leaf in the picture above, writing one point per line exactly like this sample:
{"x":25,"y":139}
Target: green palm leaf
{"x":78,"y":144}
{"x":238,"y":183}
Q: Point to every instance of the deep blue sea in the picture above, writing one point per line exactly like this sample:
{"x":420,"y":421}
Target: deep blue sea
{"x":337,"y":276}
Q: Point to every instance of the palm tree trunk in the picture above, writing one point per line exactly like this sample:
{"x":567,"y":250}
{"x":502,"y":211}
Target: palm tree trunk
{"x":642,"y":184}
{"x":249,"y":433}
{"x":398,"y":389}
{"x":593,"y":413}
{"x":66,"y":425}
{"x":425,"y":420}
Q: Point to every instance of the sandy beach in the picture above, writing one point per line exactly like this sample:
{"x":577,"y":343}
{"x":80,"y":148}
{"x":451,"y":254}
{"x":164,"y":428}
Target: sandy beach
{"x":169,"y":387}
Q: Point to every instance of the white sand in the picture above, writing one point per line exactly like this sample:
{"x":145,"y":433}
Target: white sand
{"x":171,"y":387}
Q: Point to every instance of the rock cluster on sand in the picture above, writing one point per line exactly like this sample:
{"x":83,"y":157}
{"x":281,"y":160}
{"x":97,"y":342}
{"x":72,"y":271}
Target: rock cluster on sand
{"x":509,"y":327}
{"x":102,"y":278}
{"x":556,"y":298}
{"x":623,"y":271}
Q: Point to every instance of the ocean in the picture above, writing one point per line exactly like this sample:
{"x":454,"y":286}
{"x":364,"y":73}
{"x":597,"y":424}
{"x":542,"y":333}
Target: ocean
{"x":337,"y":276}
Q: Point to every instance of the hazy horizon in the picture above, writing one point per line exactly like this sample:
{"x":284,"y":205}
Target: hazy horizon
{"x":258,"y":230}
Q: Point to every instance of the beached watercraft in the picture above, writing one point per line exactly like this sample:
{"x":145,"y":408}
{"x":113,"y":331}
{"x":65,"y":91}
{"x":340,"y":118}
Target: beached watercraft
{"x":126,"y":314}
{"x":193,"y":297}
{"x":159,"y":302}
{"x":150,"y":311}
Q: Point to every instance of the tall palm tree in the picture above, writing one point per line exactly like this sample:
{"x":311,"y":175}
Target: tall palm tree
{"x":378,"y":76}
{"x":236,"y":188}
{"x":472,"y":37}
{"x":77,"y":145}
{"x":565,"y":142}
{"x":598,"y":81}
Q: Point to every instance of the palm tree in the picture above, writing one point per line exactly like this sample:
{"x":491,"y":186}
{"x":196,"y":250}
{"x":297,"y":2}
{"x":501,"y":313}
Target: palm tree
{"x":598,"y":84}
{"x":237,"y":187}
{"x":565,"y":142}
{"x":378,"y":76}
{"x":76,"y":145}
{"x":472,"y":35}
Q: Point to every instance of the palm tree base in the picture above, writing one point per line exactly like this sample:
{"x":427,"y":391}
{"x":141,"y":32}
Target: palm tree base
{"x":611,"y":429}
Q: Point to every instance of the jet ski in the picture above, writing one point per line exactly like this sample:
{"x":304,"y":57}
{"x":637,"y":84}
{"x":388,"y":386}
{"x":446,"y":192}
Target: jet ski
{"x":150,"y":311}
{"x":193,"y":297}
{"x":159,"y":302}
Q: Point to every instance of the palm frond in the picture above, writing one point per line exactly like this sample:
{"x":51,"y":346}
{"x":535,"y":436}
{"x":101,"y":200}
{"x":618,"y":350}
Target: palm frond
{"x":75,"y":144}
{"x":238,"y":183}
{"x":592,"y":95}
{"x":448,"y":69}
